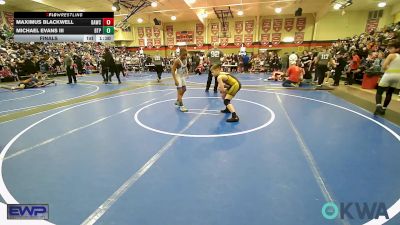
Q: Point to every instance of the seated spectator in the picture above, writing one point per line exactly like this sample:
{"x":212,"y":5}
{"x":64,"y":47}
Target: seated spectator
{"x":199,"y":69}
{"x":295,"y":75}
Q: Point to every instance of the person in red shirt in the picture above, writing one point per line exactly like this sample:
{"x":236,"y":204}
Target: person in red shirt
{"x":295,"y":75}
{"x":355,"y":63}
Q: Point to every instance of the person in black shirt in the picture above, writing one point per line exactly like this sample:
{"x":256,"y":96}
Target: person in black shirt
{"x":104,"y":71}
{"x":341,"y":61}
{"x":79,"y":64}
{"x":109,"y":64}
{"x":28,"y":66}
{"x":306,"y":65}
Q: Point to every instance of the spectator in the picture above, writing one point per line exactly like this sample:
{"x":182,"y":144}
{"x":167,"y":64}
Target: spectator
{"x":246,"y":61}
{"x":293,"y":58}
{"x":340,"y":65}
{"x":285,"y":61}
{"x":354,"y":66}
{"x":295,"y":75}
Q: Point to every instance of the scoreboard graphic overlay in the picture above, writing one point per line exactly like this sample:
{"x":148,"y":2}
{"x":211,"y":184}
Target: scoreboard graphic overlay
{"x":63,"y":26}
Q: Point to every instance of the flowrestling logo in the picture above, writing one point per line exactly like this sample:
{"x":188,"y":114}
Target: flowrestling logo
{"x":28,"y":211}
{"x":351,"y":210}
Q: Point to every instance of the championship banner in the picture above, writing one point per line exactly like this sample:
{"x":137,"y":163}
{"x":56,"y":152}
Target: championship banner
{"x":214,"y":39}
{"x":199,"y":28}
{"x":156,"y":32}
{"x":149,"y":43}
{"x":214,"y":28}
{"x":278,"y":23}
{"x":157,"y":42}
{"x":9,"y":18}
{"x":239,"y":27}
{"x":276,"y":38}
{"x":265,"y":39}
{"x":224,"y":42}
{"x":140,"y":32}
{"x":301,"y":23}
{"x":184,"y":36}
{"x":249,"y":26}
{"x":199,"y":41}
{"x":372,"y":24}
{"x":170,"y":42}
{"x":238,"y":40}
{"x":226,"y":28}
{"x":170,"y":30}
{"x":289,"y":24}
{"x":149,"y":32}
{"x":248,"y":39}
{"x":266,"y":25}
{"x":141,"y":42}
{"x":299,"y":38}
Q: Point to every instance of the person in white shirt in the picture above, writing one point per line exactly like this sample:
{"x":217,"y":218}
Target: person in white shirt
{"x":390,"y":80}
{"x":293,"y":58}
{"x":242,"y":50}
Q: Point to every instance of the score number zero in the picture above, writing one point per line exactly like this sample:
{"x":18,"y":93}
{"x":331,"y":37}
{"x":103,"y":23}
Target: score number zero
{"x":104,"y":30}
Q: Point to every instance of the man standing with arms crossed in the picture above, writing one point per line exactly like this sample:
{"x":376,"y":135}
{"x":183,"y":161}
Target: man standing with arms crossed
{"x":214,"y":57}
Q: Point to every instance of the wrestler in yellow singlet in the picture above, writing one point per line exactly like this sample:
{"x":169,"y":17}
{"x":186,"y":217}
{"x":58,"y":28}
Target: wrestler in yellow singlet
{"x":228,"y":86}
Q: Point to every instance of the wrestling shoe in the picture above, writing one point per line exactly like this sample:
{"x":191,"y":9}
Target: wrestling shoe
{"x":233,"y":119}
{"x":183,"y":108}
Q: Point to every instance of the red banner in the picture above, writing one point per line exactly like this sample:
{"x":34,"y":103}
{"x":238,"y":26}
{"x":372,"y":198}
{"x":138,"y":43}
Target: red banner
{"x":299,"y":38}
{"x":157,"y":42}
{"x":184,"y":36}
{"x":199,"y":28}
{"x":278,"y":23}
{"x":301,"y":23}
{"x":214,"y":39}
{"x":239,"y":27}
{"x":9,"y":18}
{"x":170,"y":42}
{"x":170,"y":30}
{"x":149,"y":33}
{"x":140,"y":32}
{"x":265,"y":39}
{"x":224,"y":41}
{"x":214,"y":28}
{"x":266,"y":25}
{"x":141,"y":42}
{"x":372,"y":24}
{"x":248,"y":39}
{"x":156,"y":31}
{"x":149,"y":43}
{"x":249,"y":26}
{"x":199,"y":41}
{"x":225,"y":27}
{"x":289,"y":24}
{"x":238,"y":40}
{"x":276,"y":38}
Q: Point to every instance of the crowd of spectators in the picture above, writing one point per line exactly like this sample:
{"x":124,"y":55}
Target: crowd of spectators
{"x":352,"y":57}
